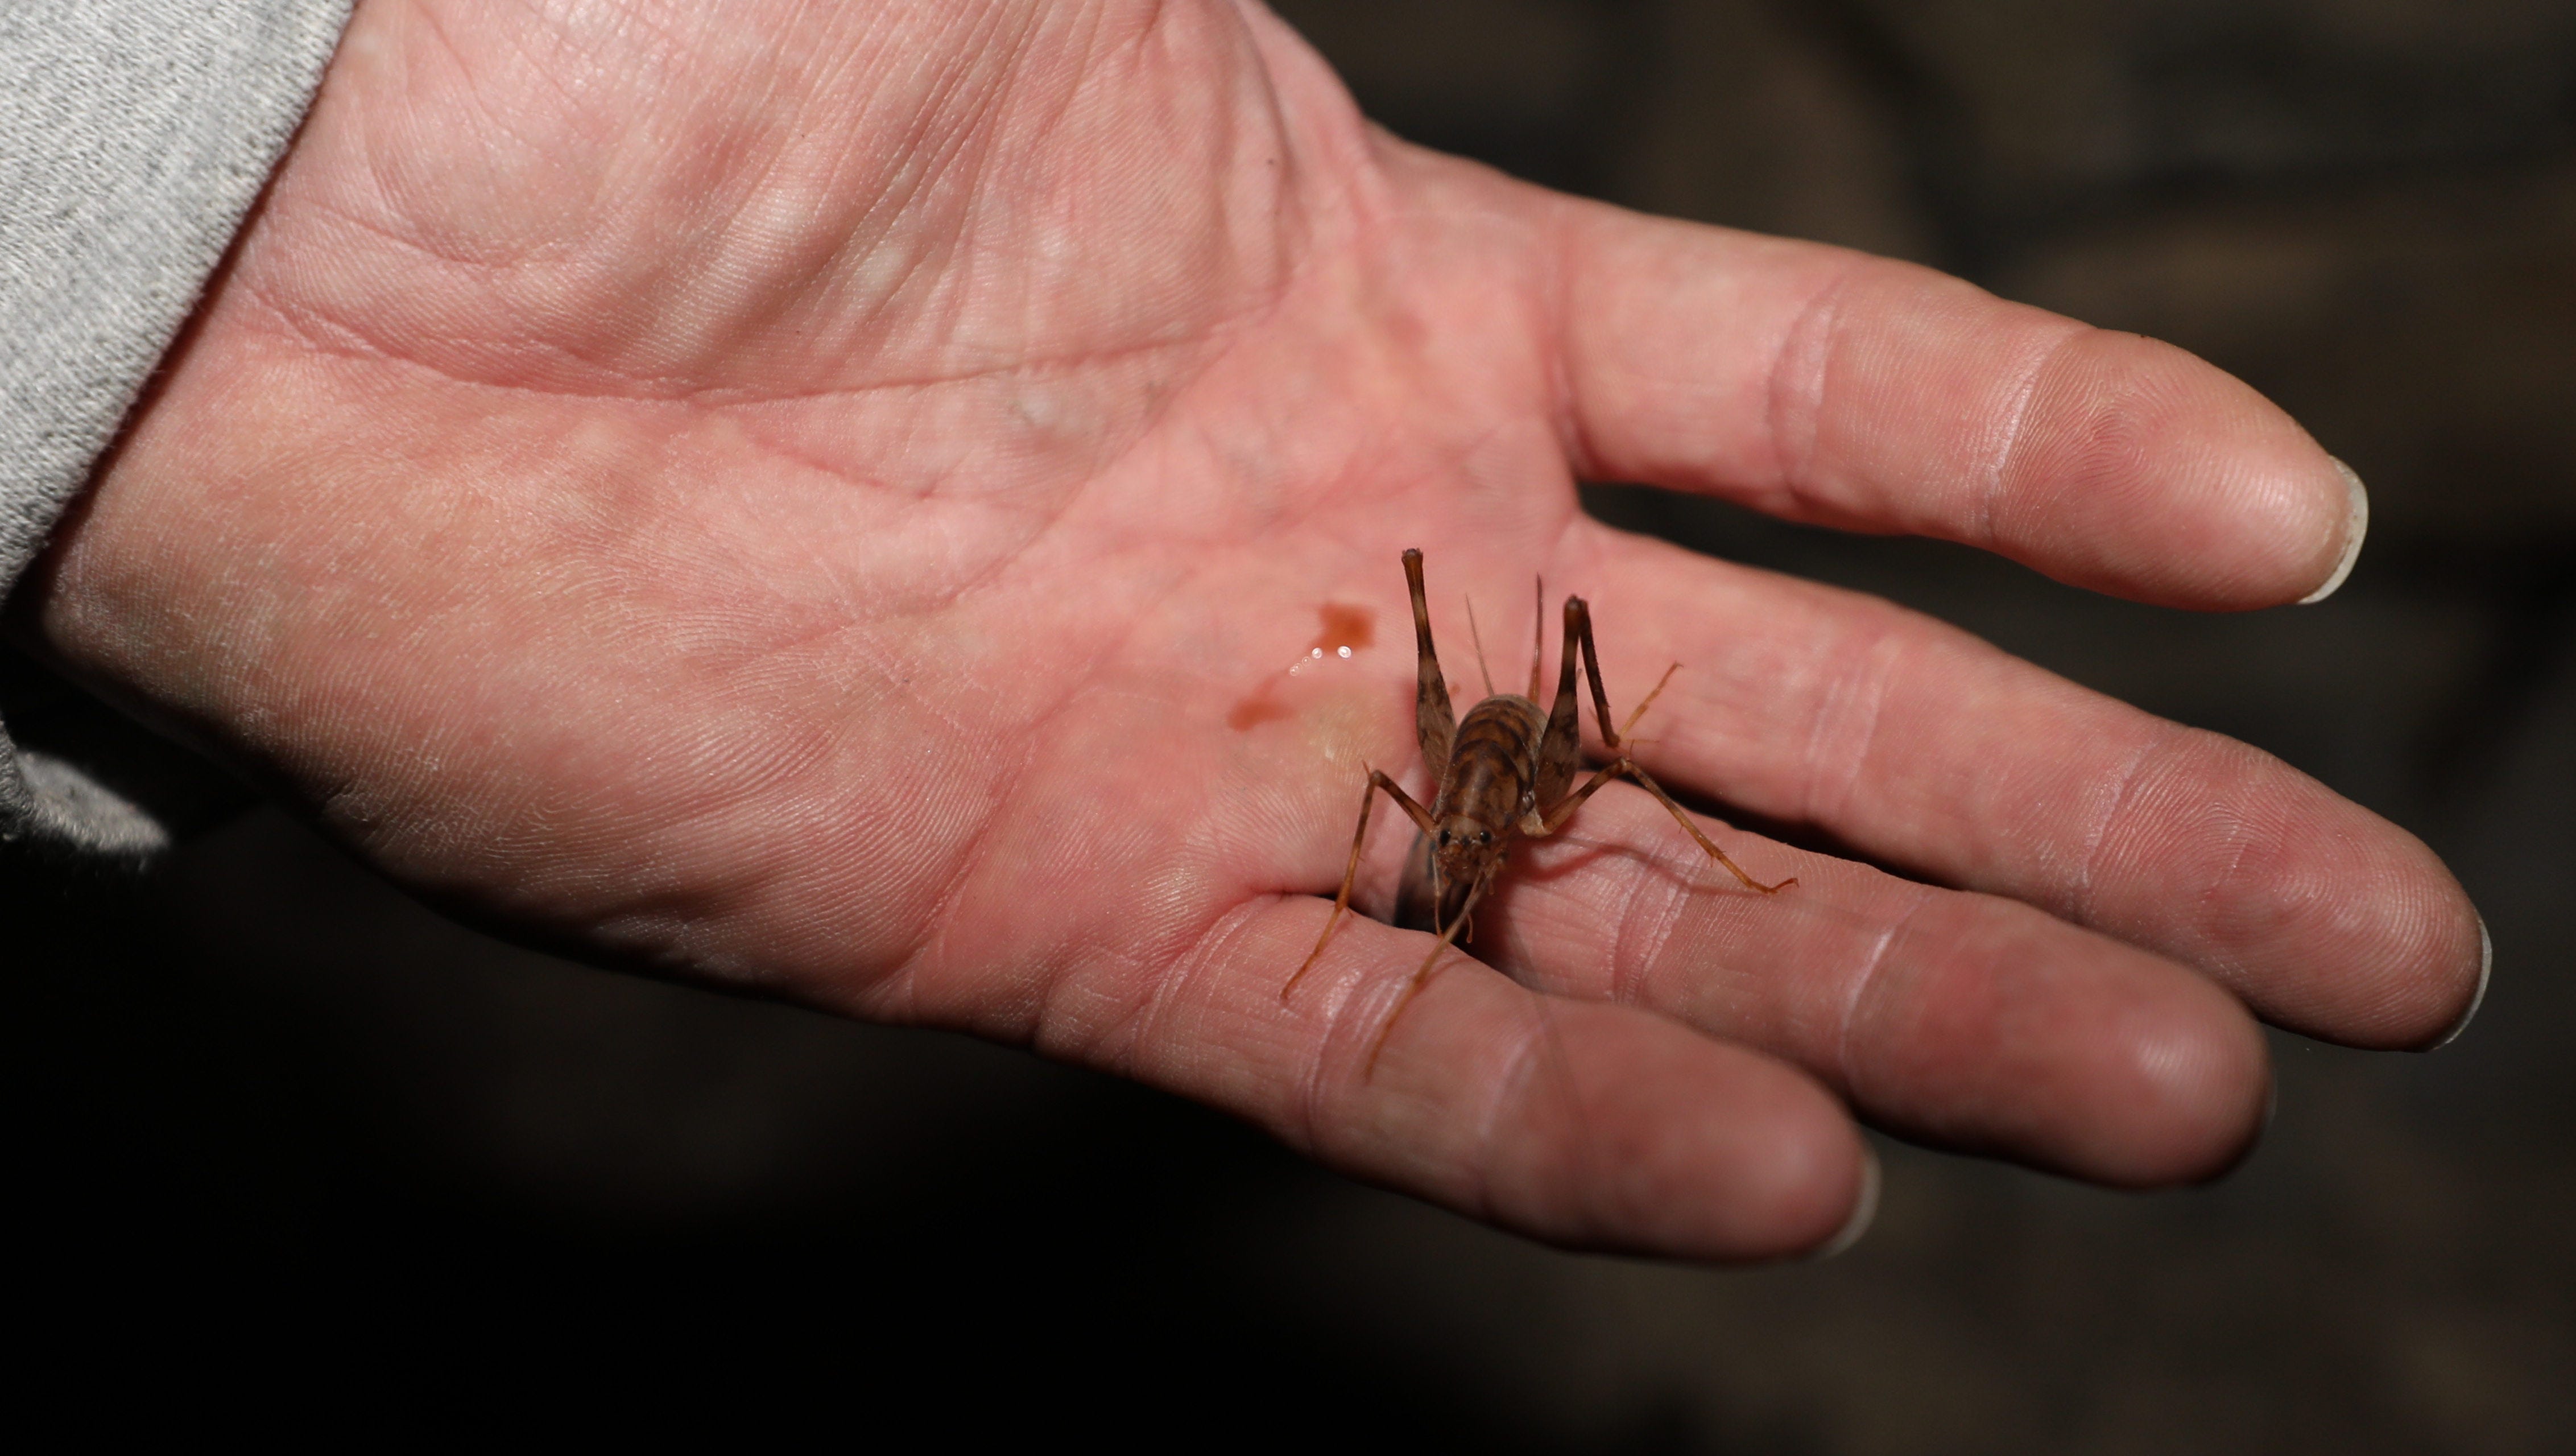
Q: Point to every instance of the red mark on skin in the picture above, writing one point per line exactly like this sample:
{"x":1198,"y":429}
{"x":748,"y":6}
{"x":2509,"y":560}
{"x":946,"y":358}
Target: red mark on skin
{"x":1351,"y":627}
{"x":1262,"y":707}
{"x":1344,"y":630}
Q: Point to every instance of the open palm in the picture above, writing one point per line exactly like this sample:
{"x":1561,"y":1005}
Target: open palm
{"x":824,"y":499}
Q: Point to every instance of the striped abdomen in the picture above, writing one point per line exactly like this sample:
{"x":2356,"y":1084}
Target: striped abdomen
{"x":1493,"y":763}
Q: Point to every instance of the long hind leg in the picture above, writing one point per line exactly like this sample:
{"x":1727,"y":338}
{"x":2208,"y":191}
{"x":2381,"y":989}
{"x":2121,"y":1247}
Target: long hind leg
{"x":1579,"y":624}
{"x":1627,"y":767}
{"x":1342,"y":901}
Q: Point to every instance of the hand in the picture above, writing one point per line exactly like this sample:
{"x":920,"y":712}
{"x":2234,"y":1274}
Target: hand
{"x":819,"y":499}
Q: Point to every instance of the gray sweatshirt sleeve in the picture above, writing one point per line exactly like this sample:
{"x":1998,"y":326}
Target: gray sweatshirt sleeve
{"x":134,"y":137}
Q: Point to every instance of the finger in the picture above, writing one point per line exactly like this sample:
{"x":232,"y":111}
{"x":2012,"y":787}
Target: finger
{"x":1961,"y":1019}
{"x":1828,"y":386}
{"x":1923,"y":747}
{"x":1586,"y":1125}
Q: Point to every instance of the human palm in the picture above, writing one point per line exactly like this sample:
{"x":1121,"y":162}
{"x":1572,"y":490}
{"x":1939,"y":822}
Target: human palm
{"x":824,"y":500}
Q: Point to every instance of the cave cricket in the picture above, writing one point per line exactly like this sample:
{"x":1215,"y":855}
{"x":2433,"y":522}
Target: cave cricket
{"x":1503,"y":774}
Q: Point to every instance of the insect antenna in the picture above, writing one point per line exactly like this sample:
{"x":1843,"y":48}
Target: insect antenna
{"x":1479,"y":638}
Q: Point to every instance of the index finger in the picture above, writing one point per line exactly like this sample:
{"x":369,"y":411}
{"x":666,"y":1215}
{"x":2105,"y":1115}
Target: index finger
{"x":1831,"y":387}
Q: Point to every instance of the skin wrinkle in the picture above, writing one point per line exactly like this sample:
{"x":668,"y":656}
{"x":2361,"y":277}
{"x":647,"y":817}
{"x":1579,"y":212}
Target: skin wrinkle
{"x":1624,"y":982}
{"x":1089,"y":51}
{"x":1404,"y":1002}
{"x":1878,"y":667}
{"x":636,"y":19}
{"x":2219,"y":956}
{"x":1517,"y":1082}
{"x":1045,"y":512}
{"x":1863,"y":984}
{"x":348,"y":217}
{"x":712,"y":812}
{"x":846,"y":594}
{"x":1049,"y":518}
{"x":1561,"y":242}
{"x":2010,"y":444}
{"x":1162,"y":990}
{"x":879,"y":219}
{"x":974,"y":147}
{"x":1308,"y":1099}
{"x":721,"y":238}
{"x":975,"y":158}
{"x":1312,"y":1085}
{"x":1292,"y":274}
{"x":716,"y":810}
{"x":1807,"y":396}
{"x":2079,"y":900}
{"x":946,"y":83}
{"x":1052,"y":517}
{"x":1206,"y":334}
{"x":1204,"y":956}
{"x":432,"y":23}
{"x":972,"y":855}
{"x":729,"y":399}
{"x":676,"y":947}
{"x":591,"y":50}
{"x":885,"y":673}
{"x":525,"y":51}
{"x":1313,"y":517}
{"x":979,"y":846}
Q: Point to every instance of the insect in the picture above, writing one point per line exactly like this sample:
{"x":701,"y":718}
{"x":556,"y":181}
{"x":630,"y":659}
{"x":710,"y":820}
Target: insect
{"x":1503,"y":773}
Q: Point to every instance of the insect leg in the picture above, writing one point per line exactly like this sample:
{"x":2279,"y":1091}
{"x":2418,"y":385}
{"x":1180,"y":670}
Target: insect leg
{"x":1560,"y":747}
{"x":1342,"y":901}
{"x":1421,"y":974}
{"x":1435,"y":723}
{"x":1627,"y":767}
{"x":1578,"y":622}
{"x":1631,"y":724}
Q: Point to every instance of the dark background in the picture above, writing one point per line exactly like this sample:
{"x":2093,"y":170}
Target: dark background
{"x":283,"y":1137}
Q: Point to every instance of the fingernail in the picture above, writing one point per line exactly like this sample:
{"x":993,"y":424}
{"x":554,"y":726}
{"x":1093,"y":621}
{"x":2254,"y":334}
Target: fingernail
{"x":2356,"y":525}
{"x":2486,"y":965}
{"x":1864,"y":1208}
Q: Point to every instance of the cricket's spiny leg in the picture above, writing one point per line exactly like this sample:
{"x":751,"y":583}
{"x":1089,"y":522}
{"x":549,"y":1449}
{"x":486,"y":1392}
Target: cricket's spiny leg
{"x":1682,"y":817}
{"x":1350,"y":871}
{"x":1421,"y":976}
{"x":1560,"y":747}
{"x":1627,"y":768}
{"x":1579,"y":622}
{"x":1630,"y":725}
